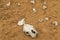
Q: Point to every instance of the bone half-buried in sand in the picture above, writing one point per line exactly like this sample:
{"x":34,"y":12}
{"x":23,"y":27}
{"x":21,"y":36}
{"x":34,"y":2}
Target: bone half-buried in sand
{"x":34,"y":10}
{"x":55,"y":23}
{"x":8,"y":4}
{"x":44,"y":5}
{"x":30,"y":30}
{"x":32,"y":1}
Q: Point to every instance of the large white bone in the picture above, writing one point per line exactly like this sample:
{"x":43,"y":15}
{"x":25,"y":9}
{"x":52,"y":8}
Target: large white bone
{"x":30,"y":29}
{"x":27,"y":28}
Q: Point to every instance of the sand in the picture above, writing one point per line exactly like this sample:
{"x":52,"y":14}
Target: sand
{"x":11,"y":14}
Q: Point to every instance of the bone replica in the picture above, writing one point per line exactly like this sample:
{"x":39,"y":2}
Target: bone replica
{"x":28,"y":29}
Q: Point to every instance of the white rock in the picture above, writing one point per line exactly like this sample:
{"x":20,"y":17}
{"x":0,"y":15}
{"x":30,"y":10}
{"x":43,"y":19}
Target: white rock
{"x":8,"y":4}
{"x":21,"y":22}
{"x":30,"y":30}
{"x":32,"y":1}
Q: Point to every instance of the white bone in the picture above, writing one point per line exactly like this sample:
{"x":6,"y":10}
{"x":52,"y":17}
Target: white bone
{"x":28,"y":28}
{"x":44,"y":5}
{"x":18,"y":4}
{"x":34,"y":10}
{"x":32,"y":1}
{"x":21,"y":22}
{"x":46,"y":18}
{"x":8,"y":4}
{"x":40,"y":20}
{"x":55,"y":23}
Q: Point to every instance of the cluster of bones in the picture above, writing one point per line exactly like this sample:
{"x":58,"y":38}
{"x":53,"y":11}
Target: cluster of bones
{"x":28,"y":29}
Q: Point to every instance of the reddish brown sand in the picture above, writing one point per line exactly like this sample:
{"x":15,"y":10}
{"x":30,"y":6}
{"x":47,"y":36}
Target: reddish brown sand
{"x":9,"y":17}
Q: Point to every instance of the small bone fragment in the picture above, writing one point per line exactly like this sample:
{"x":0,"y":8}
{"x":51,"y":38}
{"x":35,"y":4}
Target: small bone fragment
{"x":44,"y":5}
{"x":18,"y":4}
{"x":40,"y":20}
{"x":46,"y":18}
{"x":34,"y":10}
{"x":30,"y":30}
{"x":55,"y":23}
{"x":32,"y":1}
{"x":21,"y":22}
{"x":8,"y":4}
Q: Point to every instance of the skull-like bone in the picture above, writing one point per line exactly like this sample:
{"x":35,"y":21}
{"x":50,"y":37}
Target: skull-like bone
{"x":29,"y":30}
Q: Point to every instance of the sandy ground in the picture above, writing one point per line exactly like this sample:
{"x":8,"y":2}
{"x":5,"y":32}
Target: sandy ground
{"x":10,"y":15}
